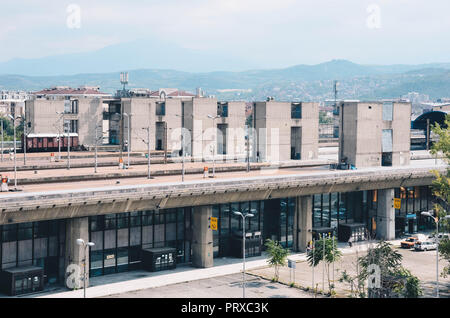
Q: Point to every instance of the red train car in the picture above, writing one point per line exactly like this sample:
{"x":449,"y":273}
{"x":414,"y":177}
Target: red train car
{"x":49,"y":142}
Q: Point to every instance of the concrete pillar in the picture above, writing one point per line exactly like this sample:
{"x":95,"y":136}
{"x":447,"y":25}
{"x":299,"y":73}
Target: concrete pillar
{"x":386,"y":215}
{"x":202,"y":237}
{"x":302,"y":222}
{"x":74,"y":258}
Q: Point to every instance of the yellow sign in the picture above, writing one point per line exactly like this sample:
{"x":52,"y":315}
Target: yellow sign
{"x":397,"y":203}
{"x":213,"y":223}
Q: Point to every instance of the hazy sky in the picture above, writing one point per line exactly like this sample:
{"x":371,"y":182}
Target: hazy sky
{"x":271,"y":33}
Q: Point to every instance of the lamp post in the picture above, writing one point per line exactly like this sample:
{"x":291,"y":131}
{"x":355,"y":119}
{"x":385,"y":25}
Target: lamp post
{"x":2,"y":140}
{"x":128,"y":139}
{"x":85,"y":246}
{"x":248,"y":148}
{"x":24,"y":143}
{"x":244,"y":216}
{"x":96,"y":145}
{"x":148,"y":149}
{"x":214,"y":148}
{"x":436,"y":220}
{"x":15,"y":149}
{"x":68,"y":138}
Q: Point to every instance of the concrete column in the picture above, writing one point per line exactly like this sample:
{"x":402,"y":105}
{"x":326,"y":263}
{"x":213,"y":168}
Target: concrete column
{"x":76,"y":228}
{"x":302,"y":222}
{"x":386,"y":215}
{"x":202,"y":237}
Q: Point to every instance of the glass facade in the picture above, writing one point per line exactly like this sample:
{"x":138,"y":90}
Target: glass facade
{"x":332,"y":211}
{"x":273,"y":218}
{"x":39,"y":244}
{"x":414,"y":200}
{"x":119,"y":238}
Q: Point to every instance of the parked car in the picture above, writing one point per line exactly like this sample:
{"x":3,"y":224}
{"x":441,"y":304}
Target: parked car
{"x":441,"y":236}
{"x":425,"y":246}
{"x":409,"y":242}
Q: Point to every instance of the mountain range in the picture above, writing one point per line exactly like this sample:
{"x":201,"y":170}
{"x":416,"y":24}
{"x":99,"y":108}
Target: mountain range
{"x":300,"y":82}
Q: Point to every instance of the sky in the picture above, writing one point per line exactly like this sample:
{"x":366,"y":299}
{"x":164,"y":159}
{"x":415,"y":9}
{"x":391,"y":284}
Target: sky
{"x":269,"y":33}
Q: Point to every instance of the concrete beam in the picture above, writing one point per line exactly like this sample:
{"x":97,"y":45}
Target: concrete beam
{"x":27,"y":207}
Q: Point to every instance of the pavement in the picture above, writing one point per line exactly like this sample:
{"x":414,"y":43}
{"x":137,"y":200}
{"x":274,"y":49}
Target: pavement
{"x":139,"y":280}
{"x":137,"y":174}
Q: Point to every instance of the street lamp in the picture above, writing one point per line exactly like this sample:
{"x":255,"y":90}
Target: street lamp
{"x":214,"y":148}
{"x":244,"y":216}
{"x":15,"y":149}
{"x":436,"y":220}
{"x":2,"y":140}
{"x":68,"y":138}
{"x":85,"y":246}
{"x":128,"y":138}
{"x":148,"y":145}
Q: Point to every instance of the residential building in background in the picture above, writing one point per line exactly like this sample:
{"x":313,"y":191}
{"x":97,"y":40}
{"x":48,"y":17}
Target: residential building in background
{"x":13,"y":103}
{"x":82,"y":108}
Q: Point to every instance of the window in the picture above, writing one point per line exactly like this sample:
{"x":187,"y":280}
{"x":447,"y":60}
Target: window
{"x":388,"y":111}
{"x":296,"y":110}
{"x":160,"y":108}
{"x":386,"y":140}
{"x":222,"y":109}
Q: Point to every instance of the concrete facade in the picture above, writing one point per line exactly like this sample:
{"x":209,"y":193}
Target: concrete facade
{"x":41,"y":113}
{"x":386,"y":214}
{"x":363,"y":129}
{"x":205,"y":136}
{"x":302,"y":223}
{"x":280,"y":136}
{"x":202,"y":237}
{"x":77,"y":228}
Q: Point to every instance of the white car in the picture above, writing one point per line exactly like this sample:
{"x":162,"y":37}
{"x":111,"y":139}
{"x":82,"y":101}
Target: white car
{"x":425,"y":246}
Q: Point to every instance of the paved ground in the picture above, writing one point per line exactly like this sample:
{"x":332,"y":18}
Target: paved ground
{"x":421,"y":264}
{"x":224,"y":278}
{"x":229,"y":286}
{"x":115,"y":172}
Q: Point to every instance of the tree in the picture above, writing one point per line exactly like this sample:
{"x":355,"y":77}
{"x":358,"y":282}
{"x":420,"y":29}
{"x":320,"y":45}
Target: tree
{"x":394,"y":279}
{"x":277,"y":255}
{"x":9,"y":129}
{"x":324,"y":119}
{"x":441,"y":188}
{"x":332,"y":254}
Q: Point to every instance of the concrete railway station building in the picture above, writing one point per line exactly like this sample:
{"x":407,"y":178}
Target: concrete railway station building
{"x":291,"y":205}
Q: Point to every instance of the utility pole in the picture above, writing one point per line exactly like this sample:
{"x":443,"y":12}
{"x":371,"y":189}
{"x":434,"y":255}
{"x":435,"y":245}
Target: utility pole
{"x":148,"y":149}
{"x":68,"y":145}
{"x":2,"y":140}
{"x":248,"y":149}
{"x":165,"y":142}
{"x":24,"y":141}
{"x":148,"y":143}
{"x":182,"y":153}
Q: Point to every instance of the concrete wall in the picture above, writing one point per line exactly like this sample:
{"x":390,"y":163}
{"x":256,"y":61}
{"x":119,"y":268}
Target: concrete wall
{"x":44,"y":120}
{"x":273,"y":124}
{"x":361,"y":133}
{"x":142,"y":112}
{"x":386,"y":215}
{"x":76,"y":228}
{"x":202,"y":238}
{"x":302,"y":222}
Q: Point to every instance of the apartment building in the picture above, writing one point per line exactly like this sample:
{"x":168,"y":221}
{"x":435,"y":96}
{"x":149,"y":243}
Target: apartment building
{"x":60,"y":109}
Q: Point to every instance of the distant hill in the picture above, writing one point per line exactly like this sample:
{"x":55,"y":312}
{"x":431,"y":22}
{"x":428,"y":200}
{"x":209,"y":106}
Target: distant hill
{"x":303,"y":82}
